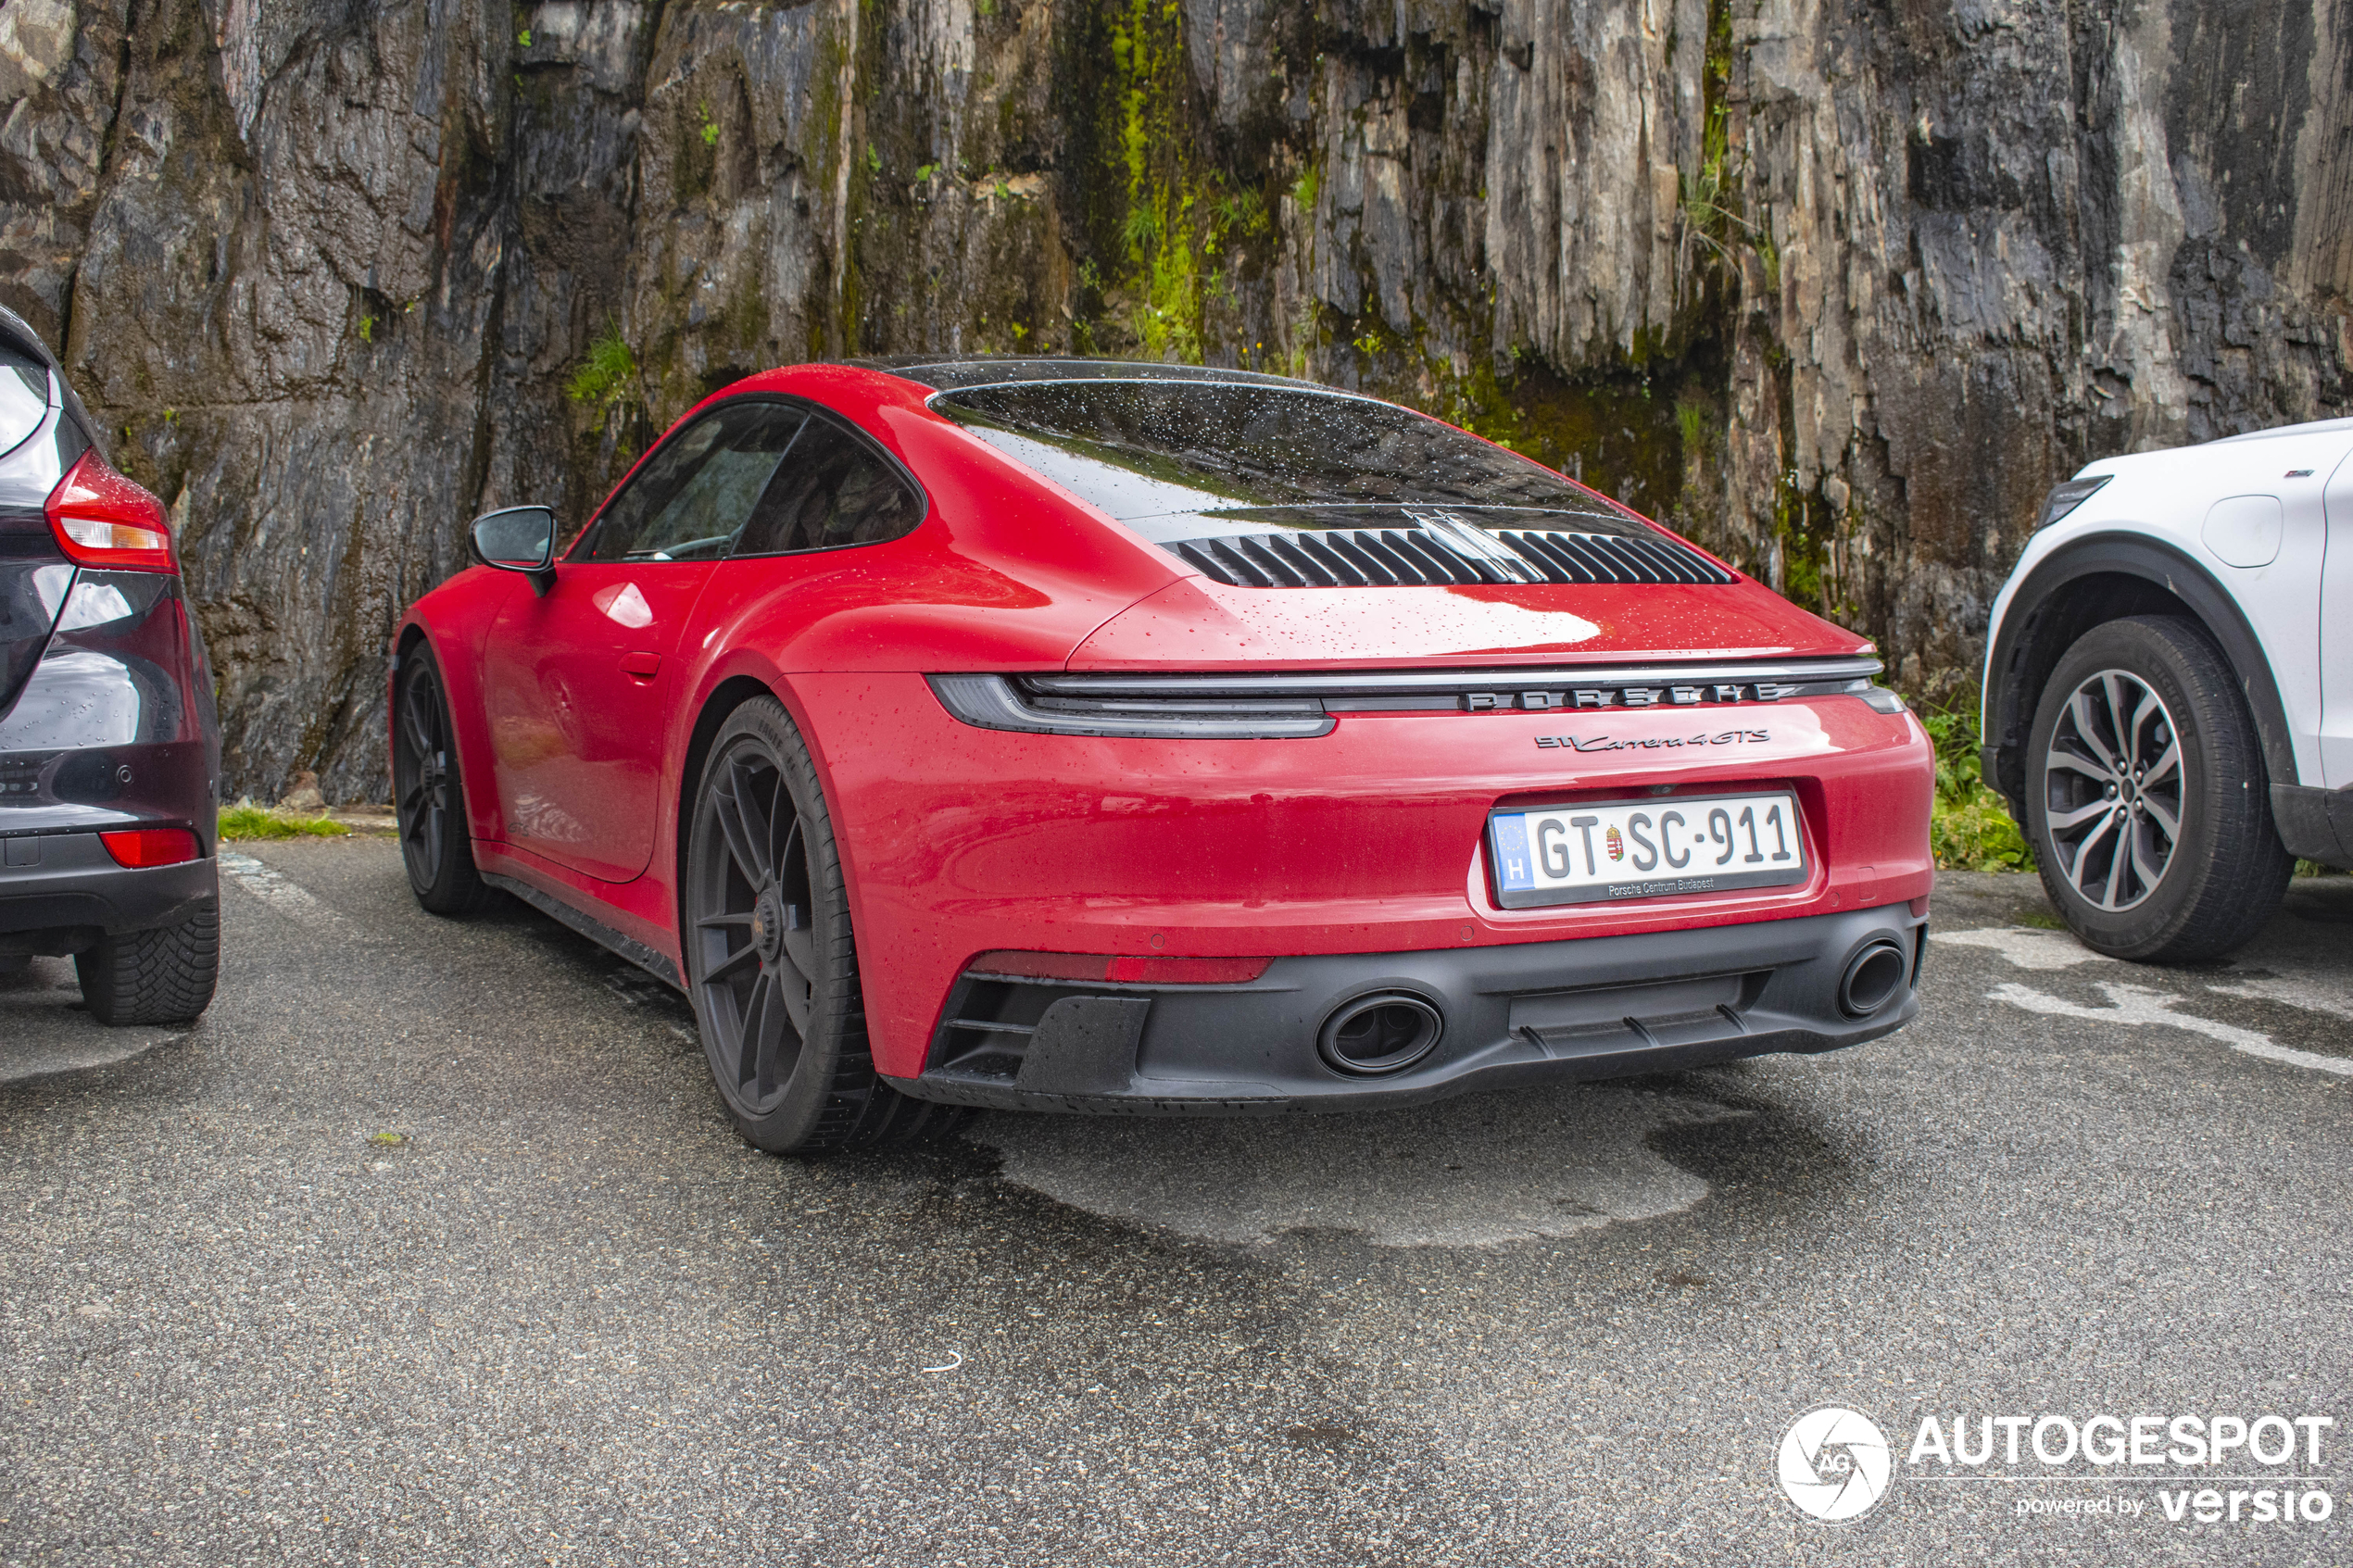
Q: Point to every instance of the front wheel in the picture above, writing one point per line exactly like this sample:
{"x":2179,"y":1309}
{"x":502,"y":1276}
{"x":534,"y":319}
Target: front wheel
{"x":771,"y":962}
{"x":2147,"y":798}
{"x":428,"y":796}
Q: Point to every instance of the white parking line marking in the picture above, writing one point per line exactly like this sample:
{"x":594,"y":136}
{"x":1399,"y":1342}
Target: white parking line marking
{"x":2024,"y":945}
{"x":2138,"y":1004}
{"x":2035,"y":948}
{"x":265,"y":884}
{"x":2313,"y":994}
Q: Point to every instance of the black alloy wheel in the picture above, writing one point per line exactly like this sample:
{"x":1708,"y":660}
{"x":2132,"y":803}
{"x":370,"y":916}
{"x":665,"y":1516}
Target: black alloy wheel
{"x":428,"y":800}
{"x":771,"y":962}
{"x":2148,"y":800}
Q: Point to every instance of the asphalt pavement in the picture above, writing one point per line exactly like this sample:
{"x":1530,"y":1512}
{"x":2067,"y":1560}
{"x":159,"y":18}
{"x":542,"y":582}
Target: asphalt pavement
{"x":429,"y":1244}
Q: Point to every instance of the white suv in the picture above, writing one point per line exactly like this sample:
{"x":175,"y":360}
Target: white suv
{"x":2168,"y":687}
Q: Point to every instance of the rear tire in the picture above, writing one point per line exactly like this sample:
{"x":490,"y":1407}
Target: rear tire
{"x":428,"y":795}
{"x":771,"y":965}
{"x":2142,"y":723}
{"x":165,"y":975}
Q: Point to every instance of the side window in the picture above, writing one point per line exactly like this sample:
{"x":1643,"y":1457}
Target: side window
{"x":24,"y":396}
{"x":833,"y":489}
{"x":694,"y":495}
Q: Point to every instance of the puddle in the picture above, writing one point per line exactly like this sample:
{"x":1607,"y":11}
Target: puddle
{"x":1465,"y":1172}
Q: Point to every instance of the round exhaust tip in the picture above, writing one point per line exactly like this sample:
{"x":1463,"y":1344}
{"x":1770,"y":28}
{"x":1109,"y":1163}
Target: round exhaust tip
{"x":1377,"y":1034}
{"x":1873,"y":976}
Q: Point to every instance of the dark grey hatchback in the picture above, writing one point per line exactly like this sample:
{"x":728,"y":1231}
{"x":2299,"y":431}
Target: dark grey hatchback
{"x":109,"y":745}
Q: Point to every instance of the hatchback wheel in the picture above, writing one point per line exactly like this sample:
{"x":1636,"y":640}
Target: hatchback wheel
{"x":2146,"y":797}
{"x":770,"y":961}
{"x":428,"y":800}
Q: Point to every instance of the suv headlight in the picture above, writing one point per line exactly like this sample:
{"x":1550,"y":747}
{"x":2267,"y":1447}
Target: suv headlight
{"x":2065,"y":498}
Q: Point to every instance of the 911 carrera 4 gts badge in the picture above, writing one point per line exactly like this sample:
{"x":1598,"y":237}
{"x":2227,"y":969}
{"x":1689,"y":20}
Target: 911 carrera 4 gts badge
{"x":1652,"y":743}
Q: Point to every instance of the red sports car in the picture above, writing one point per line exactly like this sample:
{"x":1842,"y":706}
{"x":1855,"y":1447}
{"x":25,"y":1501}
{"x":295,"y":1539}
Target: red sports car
{"x":1079,"y":735}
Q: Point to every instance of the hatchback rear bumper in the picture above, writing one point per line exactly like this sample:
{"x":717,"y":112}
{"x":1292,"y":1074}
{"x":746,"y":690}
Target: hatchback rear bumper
{"x":1511,"y":1016}
{"x":59,"y":892}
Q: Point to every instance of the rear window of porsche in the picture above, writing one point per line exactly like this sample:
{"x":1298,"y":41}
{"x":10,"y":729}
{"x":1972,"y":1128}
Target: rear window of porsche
{"x":1145,"y":449}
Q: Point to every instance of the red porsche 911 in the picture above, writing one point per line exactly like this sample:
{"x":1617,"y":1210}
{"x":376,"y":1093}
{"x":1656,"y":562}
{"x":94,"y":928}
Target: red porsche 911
{"x":1138,"y":739}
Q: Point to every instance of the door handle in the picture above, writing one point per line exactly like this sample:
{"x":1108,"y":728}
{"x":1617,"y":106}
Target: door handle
{"x":644,"y":666}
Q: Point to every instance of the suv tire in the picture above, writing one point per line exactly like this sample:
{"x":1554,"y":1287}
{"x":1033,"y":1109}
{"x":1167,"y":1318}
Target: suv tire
{"x":2148,"y":801}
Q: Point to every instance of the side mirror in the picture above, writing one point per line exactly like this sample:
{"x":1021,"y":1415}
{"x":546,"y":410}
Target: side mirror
{"x":519,"y":539}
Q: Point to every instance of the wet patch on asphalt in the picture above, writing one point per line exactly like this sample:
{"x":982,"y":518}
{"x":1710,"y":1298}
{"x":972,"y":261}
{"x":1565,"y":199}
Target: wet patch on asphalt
{"x":44,"y":1030}
{"x":1474,"y":1171}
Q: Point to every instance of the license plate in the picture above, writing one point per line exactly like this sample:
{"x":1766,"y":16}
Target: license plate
{"x":1645,"y":848}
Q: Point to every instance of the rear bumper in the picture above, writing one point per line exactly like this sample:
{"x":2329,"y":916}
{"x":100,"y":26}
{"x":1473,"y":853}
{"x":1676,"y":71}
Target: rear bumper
{"x":59,"y":892}
{"x":960,"y":840}
{"x":1513,"y":1016}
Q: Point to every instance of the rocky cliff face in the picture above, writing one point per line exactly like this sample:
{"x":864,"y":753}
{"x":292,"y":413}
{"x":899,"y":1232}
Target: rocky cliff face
{"x":1837,"y":286}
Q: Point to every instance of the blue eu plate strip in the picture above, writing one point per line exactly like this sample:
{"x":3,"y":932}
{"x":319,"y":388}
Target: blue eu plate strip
{"x":1511,"y":854}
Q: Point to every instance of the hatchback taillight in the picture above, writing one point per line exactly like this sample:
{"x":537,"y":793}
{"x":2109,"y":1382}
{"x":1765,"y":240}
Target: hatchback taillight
{"x":102,"y":519}
{"x":138,"y":847}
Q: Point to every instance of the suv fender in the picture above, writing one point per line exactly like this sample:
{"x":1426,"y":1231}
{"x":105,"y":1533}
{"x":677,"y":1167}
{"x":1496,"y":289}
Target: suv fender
{"x":2060,"y":600}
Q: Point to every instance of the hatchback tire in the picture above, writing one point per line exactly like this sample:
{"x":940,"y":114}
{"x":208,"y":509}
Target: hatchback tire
{"x":164,"y":975}
{"x":2148,"y":801}
{"x":772,"y":964}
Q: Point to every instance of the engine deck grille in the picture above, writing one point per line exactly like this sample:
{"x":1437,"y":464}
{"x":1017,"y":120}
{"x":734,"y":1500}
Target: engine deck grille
{"x":1364,"y":558}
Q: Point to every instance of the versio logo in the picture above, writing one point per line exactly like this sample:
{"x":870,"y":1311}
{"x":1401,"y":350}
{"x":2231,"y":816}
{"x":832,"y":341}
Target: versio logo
{"x":1834,"y":1463}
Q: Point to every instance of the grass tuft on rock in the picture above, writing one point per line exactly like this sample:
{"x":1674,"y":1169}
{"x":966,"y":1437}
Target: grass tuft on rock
{"x":609,"y":375}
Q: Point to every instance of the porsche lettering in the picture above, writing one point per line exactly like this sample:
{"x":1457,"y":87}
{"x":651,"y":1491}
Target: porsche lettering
{"x":1627,"y":697}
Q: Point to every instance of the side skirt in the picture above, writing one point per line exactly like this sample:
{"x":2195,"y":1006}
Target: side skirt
{"x":597,"y":931}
